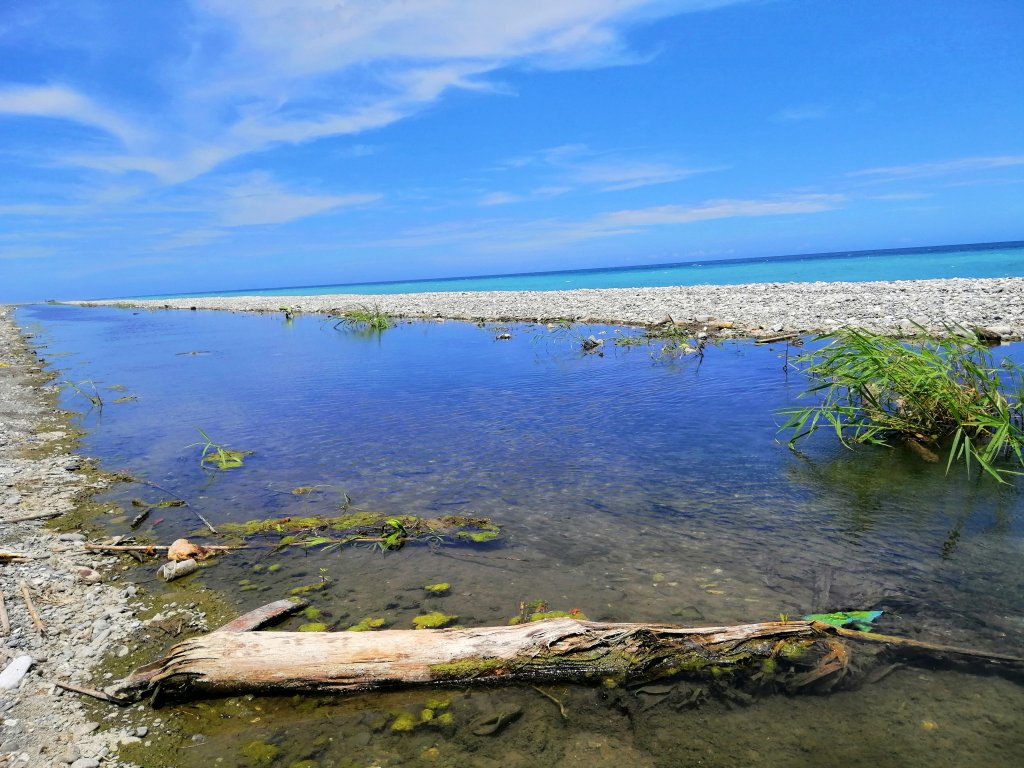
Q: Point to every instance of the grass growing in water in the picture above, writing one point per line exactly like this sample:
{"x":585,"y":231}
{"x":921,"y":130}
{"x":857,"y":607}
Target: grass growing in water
{"x":218,"y":456}
{"x":371,"y":318}
{"x":929,"y":393}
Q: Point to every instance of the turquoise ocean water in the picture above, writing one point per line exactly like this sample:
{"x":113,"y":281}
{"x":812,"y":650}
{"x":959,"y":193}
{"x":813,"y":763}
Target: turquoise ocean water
{"x":980,"y":260}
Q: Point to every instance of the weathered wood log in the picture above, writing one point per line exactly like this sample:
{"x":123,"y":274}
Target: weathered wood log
{"x":227,"y":663}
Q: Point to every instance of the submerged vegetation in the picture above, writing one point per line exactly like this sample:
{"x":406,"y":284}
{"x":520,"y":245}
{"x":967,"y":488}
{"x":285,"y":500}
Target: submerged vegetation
{"x":373,"y":529}
{"x":928,"y":394}
{"x":217,"y":456}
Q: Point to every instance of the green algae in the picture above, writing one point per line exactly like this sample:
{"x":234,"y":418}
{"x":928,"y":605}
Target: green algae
{"x":433,"y":620}
{"x":426,"y":715}
{"x":478,"y":537}
{"x":451,"y":671}
{"x":368,"y":624}
{"x":313,"y":627}
{"x":439,"y":588}
{"x":541,"y":615}
{"x":305,"y":589}
{"x":404,"y":723}
{"x":274,"y":568}
{"x":312,"y":613}
{"x":261,"y":753}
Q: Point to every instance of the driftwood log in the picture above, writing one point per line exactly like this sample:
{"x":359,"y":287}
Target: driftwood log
{"x":229,"y":662}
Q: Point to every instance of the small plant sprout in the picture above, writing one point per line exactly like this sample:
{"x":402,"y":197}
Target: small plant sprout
{"x":217,"y":456}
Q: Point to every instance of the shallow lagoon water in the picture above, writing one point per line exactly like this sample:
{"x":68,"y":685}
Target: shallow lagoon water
{"x":633,"y":487}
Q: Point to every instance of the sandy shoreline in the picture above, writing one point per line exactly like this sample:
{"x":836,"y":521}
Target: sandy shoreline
{"x":895,"y":308}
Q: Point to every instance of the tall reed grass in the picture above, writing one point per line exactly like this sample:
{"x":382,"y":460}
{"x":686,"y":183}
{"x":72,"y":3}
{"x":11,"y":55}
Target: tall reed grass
{"x":947,"y":393}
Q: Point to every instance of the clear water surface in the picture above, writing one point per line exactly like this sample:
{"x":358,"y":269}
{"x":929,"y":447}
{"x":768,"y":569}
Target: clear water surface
{"x":633,"y":487}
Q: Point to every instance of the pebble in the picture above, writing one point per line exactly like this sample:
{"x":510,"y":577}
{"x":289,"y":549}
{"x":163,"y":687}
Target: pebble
{"x":71,"y":537}
{"x":86,"y":762}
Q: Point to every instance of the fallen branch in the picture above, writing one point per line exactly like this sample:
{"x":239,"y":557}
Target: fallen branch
{"x":93,"y":693}
{"x":31,"y":608}
{"x":227,"y":663}
{"x":14,"y":557}
{"x":29,"y":518}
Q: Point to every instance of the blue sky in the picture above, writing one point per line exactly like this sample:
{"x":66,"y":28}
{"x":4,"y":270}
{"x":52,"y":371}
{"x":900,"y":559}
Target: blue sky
{"x":155,"y":147}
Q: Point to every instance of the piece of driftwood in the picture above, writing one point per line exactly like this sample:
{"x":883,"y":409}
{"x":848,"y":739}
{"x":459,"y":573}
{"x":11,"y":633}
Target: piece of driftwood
{"x":31,"y":607}
{"x":264,"y":615}
{"x":564,"y":649}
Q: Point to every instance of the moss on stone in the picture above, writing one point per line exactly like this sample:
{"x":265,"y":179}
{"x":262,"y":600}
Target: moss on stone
{"x":404,"y":723}
{"x":438,"y":589}
{"x":368,"y":624}
{"x":313,"y":627}
{"x":305,"y":589}
{"x":433,"y":620}
{"x":312,"y":613}
{"x":478,"y":537}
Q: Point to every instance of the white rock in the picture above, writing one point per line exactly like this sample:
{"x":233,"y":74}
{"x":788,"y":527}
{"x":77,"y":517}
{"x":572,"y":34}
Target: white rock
{"x":13,"y":673}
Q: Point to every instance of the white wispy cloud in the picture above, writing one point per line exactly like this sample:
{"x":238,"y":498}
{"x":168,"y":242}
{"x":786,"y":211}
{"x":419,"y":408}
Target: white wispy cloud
{"x":801,"y":113}
{"x":259,"y":200}
{"x":496,"y":234}
{"x":63,"y":103}
{"x":287,"y":73}
{"x":578,"y":167}
{"x":940,"y":168}
{"x":500,"y":198}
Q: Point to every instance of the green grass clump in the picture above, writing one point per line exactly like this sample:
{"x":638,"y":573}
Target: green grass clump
{"x":931,"y":393}
{"x":370,"y":318}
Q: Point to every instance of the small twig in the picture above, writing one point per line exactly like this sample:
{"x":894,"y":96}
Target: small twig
{"x":558,"y":702}
{"x":92,"y":692}
{"x":773,"y":339}
{"x":29,"y":518}
{"x":31,"y":608}
{"x":195,"y":512}
{"x":5,"y":622}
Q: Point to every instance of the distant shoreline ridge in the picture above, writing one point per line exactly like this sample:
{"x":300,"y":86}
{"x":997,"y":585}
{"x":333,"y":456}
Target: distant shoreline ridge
{"x":707,"y":264}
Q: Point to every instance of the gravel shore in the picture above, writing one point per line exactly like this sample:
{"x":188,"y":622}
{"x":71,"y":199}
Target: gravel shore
{"x":896,"y":308}
{"x":84,"y":610}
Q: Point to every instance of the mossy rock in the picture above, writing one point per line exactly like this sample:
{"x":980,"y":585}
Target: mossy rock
{"x":313,"y":627}
{"x":433,"y":620}
{"x":312,"y":613}
{"x":404,"y":723}
{"x":440,"y":588}
{"x":368,"y":624}
{"x":305,"y":589}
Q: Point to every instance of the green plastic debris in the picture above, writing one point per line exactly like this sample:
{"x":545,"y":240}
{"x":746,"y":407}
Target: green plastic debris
{"x":859,"y":620}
